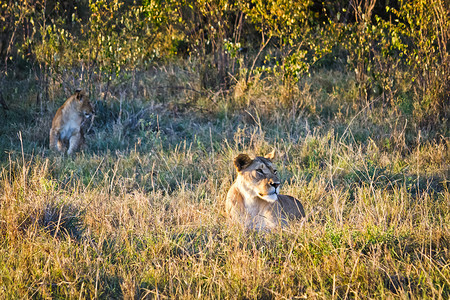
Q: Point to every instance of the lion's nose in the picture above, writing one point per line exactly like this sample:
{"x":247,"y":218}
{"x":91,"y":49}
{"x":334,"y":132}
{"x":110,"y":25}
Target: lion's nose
{"x":275,"y":184}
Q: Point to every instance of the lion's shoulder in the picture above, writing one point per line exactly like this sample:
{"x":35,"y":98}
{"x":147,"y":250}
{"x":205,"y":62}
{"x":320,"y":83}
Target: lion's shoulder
{"x":235,"y":202}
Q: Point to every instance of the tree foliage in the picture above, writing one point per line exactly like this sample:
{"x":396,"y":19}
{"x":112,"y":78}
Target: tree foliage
{"x":237,"y":39}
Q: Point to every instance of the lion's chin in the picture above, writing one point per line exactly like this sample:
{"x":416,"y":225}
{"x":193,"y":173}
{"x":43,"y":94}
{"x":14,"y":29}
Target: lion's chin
{"x":269,"y":198}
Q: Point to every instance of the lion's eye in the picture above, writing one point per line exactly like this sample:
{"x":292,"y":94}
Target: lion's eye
{"x":260,"y":171}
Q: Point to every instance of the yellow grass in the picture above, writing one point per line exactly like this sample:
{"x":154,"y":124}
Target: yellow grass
{"x":141,"y":215}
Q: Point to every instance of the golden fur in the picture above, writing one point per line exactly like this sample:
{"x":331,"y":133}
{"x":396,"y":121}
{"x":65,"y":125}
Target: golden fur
{"x":254,"y":198}
{"x":66,"y":128}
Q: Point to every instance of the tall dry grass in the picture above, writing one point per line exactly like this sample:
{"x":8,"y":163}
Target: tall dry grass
{"x":139,"y":213}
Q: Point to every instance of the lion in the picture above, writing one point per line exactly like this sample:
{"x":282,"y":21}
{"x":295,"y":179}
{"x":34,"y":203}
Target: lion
{"x":67,"y":124}
{"x":254,"y":199}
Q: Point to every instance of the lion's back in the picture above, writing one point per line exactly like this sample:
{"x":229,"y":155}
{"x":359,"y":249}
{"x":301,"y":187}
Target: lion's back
{"x":291,"y":206}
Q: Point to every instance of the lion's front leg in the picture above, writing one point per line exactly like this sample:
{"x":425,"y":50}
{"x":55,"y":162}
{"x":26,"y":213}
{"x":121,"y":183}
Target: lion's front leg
{"x":55,"y":143}
{"x":74,"y":142}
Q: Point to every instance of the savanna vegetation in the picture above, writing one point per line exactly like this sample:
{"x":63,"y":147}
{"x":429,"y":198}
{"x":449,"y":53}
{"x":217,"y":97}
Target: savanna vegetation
{"x":353,"y":95}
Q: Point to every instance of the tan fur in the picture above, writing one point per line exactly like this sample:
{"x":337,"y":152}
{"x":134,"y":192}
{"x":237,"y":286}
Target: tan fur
{"x":66,"y":126}
{"x":254,"y":198}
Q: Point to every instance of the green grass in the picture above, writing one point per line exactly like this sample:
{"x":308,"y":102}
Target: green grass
{"x":139,"y":213}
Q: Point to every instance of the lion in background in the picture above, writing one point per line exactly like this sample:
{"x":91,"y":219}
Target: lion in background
{"x":254,"y":199}
{"x":66,"y":128}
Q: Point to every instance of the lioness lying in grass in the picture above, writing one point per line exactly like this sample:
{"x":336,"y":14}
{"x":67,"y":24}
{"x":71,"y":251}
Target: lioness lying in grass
{"x":254,"y":198}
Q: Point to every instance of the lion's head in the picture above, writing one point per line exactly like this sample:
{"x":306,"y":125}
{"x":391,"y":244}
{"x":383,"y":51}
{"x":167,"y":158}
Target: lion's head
{"x":84,"y":106}
{"x":259,"y":176}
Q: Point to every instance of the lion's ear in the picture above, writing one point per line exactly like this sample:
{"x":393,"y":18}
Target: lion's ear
{"x":242,"y":161}
{"x":270,"y":155}
{"x":79,"y":94}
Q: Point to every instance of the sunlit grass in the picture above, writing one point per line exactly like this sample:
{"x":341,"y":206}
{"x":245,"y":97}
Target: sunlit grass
{"x":139,"y":212}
